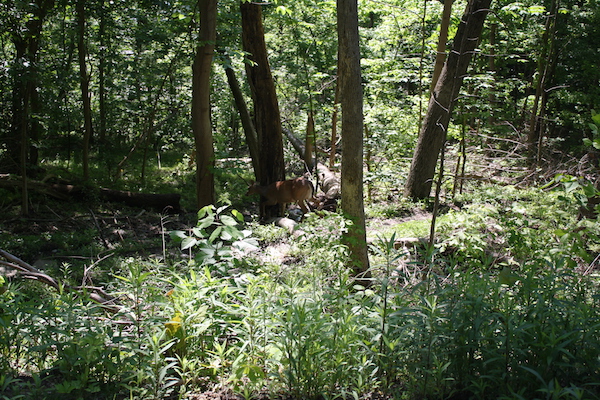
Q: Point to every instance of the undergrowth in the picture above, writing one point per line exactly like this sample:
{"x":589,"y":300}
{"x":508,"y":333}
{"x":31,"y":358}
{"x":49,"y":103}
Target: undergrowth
{"x":505,"y":306}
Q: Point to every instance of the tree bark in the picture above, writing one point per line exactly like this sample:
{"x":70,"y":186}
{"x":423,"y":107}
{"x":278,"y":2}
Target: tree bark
{"x":435,"y":125}
{"x":440,"y":55}
{"x":267,"y":119}
{"x":309,"y":142}
{"x":84,"y":83}
{"x":242,"y":108}
{"x":201,"y":123}
{"x":334,"y":121}
{"x":351,"y":96}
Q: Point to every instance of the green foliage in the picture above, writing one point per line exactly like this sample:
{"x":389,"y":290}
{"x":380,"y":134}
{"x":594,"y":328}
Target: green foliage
{"x":594,"y":126}
{"x":298,"y":327}
{"x":217,"y":237}
{"x":507,"y":227}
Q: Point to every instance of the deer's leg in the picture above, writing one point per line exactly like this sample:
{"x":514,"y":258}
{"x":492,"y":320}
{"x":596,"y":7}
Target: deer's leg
{"x":303,"y":206}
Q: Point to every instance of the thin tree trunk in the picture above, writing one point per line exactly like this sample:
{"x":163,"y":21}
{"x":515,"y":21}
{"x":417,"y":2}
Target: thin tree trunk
{"x":492,"y":67}
{"x":440,"y":55}
{"x":422,"y":56}
{"x":201,"y":124}
{"x":267,"y":119}
{"x":351,"y":96}
{"x":25,"y":101}
{"x":24,"y":145}
{"x":334,"y":121}
{"x":242,"y":108}
{"x":435,"y":125}
{"x":104,"y":14}
{"x":84,"y":85}
{"x":309,"y":142}
{"x":369,"y":163}
{"x":25,"y":98}
{"x":544,"y":67}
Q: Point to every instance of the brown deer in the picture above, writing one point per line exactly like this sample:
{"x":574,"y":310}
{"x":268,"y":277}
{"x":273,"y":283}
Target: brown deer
{"x":296,"y":190}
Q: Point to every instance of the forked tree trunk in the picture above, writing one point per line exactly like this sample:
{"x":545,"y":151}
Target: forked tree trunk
{"x":351,"y":96}
{"x":435,"y":125}
{"x":267,"y":119}
{"x":201,"y":126}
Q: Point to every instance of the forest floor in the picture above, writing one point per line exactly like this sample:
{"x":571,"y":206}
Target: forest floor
{"x":55,"y":233}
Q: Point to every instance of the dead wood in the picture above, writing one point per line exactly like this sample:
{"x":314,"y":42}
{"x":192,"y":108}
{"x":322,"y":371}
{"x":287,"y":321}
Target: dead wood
{"x":157,"y":201}
{"x":97,"y":294}
{"x":330,"y":183}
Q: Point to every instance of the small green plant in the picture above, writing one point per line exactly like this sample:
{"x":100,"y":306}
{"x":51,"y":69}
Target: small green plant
{"x":217,"y":237}
{"x":595,"y":128}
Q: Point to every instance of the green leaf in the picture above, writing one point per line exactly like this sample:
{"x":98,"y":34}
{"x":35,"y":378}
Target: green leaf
{"x":206,"y":210}
{"x":221,"y":209}
{"x":177,"y":236}
{"x":249,"y":244}
{"x":560,"y":232}
{"x":596,"y":118}
{"x":206,"y":222}
{"x":188,"y":242}
{"x":536,"y":9}
{"x":228,"y":221}
{"x":282,"y":10}
{"x":216,"y":233}
{"x":198,"y":232}
{"x":507,"y":277}
{"x":571,"y":186}
{"x":238,"y":215}
{"x":226,"y":235}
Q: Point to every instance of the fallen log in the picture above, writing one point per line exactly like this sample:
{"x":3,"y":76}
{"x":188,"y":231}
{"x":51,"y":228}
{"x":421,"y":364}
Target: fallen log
{"x":157,"y":201}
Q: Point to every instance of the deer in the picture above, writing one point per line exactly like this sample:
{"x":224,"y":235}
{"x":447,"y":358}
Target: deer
{"x":296,"y":190}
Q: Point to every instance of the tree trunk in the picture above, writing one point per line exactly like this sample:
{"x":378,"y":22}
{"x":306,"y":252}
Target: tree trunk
{"x":271,"y":167}
{"x":309,"y":142}
{"x":334,"y":121}
{"x":435,"y":124}
{"x":440,"y":55}
{"x":20,"y":155}
{"x":351,"y":96}
{"x":543,"y":76}
{"x":84,"y":83}
{"x":242,"y":108}
{"x":201,"y":124}
{"x":105,"y":13}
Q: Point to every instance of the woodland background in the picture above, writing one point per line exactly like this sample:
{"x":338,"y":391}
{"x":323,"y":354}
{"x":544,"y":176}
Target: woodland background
{"x":485,"y":285}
